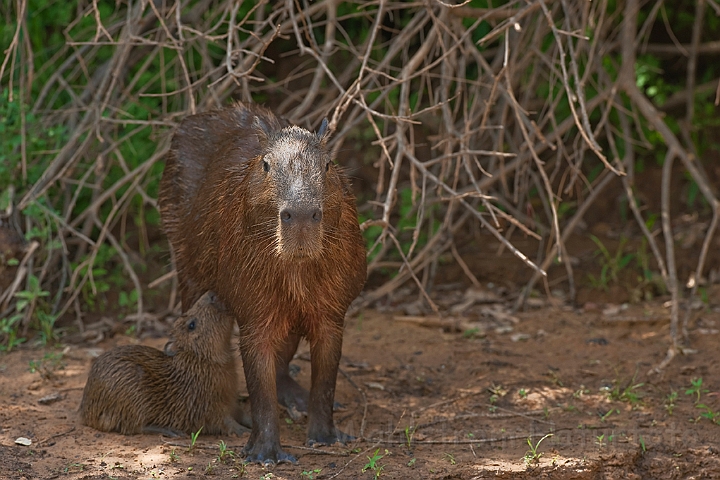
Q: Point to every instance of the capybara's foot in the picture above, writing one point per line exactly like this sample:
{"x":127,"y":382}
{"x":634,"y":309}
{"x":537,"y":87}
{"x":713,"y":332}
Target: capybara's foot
{"x":292,"y":396}
{"x":241,"y":412}
{"x":168,"y":432}
{"x":328,"y":438}
{"x":230,"y":425}
{"x":267,"y":455}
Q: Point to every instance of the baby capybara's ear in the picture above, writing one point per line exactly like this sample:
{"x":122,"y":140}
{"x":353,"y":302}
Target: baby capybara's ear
{"x":215,"y":301}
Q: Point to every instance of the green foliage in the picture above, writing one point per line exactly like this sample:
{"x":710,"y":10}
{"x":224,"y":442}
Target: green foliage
{"x":409,"y":432}
{"x":193,"y":438}
{"x":374,"y":465}
{"x":709,"y":413}
{"x":9,"y":332}
{"x":696,"y":389}
{"x":670,"y":401}
{"x":532,"y":455}
{"x":310,"y":474}
{"x":225,"y":453}
{"x":626,"y":392}
{"x":40,"y":316}
{"x":39,"y":142}
{"x":610,"y":263}
{"x":47,"y":365}
{"x":174,"y":456}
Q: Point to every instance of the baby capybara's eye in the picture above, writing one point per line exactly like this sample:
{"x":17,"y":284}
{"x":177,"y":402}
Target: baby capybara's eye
{"x":191,"y":325}
{"x":266,"y":166}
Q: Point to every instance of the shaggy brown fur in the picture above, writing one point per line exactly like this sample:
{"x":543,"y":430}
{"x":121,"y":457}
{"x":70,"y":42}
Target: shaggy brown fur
{"x":193,"y":384}
{"x":256,"y":210}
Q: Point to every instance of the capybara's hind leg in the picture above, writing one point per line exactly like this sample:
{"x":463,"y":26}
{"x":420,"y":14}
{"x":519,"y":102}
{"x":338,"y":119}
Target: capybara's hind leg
{"x":290,"y":394}
{"x":325,"y":353}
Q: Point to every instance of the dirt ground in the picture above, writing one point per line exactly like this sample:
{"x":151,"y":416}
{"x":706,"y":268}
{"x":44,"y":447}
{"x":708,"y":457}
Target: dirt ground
{"x":429,"y":402}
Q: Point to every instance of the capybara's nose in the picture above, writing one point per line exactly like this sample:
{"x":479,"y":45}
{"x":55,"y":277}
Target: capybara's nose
{"x":301,"y":215}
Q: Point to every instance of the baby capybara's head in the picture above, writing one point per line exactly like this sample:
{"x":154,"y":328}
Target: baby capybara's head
{"x":294,"y":190}
{"x":204,"y":331}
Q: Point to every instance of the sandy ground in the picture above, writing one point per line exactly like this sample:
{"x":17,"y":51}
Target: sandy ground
{"x":425,"y":402}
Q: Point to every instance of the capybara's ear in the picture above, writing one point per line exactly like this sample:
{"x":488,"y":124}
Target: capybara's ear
{"x":262,"y":130}
{"x":170,"y":349}
{"x":323,"y":133}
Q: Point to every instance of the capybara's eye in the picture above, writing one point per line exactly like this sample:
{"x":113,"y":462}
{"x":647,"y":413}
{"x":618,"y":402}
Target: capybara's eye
{"x":327,"y":166}
{"x":266,"y":166}
{"x":191,"y":325}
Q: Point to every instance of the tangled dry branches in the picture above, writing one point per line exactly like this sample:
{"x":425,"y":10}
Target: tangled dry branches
{"x":469,"y":110}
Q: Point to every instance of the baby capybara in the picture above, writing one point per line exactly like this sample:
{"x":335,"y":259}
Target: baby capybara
{"x":193,"y":384}
{"x":256,"y":210}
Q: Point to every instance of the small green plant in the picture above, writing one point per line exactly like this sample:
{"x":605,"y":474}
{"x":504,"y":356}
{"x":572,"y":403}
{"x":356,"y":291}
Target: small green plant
{"x":411,"y":463}
{"x":628,"y":393}
{"x":210,"y":468}
{"x":9,"y":326}
{"x":47,"y":365}
{"x":532,"y":455}
{"x":9,"y":338}
{"x":610,"y":264}
{"x":409,"y":432}
{"x":642,"y":444}
{"x":496,"y":391}
{"x":600,"y":440}
{"x":696,"y":388}
{"x":174,"y":457}
{"x":523,"y":393}
{"x":242,"y":469}
{"x":580,"y":392}
{"x":225,"y":452}
{"x":605,"y":416}
{"x":450,"y":458}
{"x":670,"y":401}
{"x":46,"y":328}
{"x":373,"y":463}
{"x":193,"y":438}
{"x":471,"y":333}
{"x":310,"y":474}
{"x":708,"y":413}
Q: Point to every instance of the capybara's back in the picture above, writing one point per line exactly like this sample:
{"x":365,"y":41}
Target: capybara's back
{"x":193,"y":384}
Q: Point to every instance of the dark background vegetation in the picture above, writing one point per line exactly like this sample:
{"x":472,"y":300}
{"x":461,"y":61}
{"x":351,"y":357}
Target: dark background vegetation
{"x":532,"y":127}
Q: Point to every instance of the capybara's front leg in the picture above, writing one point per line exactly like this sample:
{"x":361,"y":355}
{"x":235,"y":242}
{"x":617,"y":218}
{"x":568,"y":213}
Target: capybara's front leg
{"x":325,"y":352}
{"x":264,"y":443}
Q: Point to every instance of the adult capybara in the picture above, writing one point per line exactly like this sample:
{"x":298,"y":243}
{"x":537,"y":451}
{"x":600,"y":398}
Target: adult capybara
{"x":192,"y":385}
{"x":256,"y":210}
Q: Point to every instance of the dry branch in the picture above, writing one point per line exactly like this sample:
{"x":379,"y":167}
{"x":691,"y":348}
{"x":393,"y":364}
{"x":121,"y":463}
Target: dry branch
{"x":462,"y":113}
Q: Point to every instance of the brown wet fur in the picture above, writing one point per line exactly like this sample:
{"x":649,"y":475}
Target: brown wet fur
{"x":193,"y":384}
{"x":255,"y":210}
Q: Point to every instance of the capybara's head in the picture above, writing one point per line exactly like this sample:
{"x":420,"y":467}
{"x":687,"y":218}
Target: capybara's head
{"x":294,"y":190}
{"x":205,"y":330}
